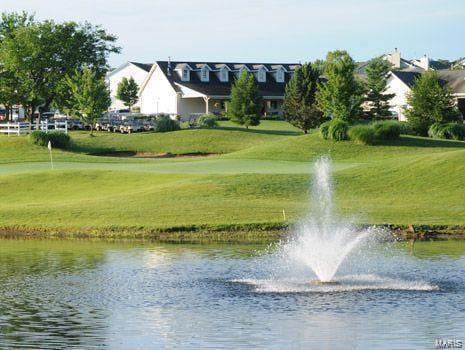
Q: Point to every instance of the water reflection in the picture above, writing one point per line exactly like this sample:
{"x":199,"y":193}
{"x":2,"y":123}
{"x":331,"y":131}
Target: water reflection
{"x":80,"y":294}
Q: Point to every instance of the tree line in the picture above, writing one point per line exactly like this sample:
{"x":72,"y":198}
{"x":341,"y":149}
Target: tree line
{"x":45,"y":64}
{"x":330,"y":90}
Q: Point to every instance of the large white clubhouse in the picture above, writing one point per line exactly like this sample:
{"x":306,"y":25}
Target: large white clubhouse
{"x":187,"y":89}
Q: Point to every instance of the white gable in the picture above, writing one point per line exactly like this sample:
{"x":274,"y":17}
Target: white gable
{"x":126,"y":70}
{"x":157,"y":94}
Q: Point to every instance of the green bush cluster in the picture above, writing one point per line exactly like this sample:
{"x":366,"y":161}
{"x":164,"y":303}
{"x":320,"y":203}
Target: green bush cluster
{"x":362,"y":134}
{"x":207,"y":121}
{"x":405,"y":128}
{"x":165,"y":124}
{"x":56,"y":138}
{"x":387,"y":130}
{"x":451,"y":131}
{"x":367,"y":134}
{"x":335,"y":129}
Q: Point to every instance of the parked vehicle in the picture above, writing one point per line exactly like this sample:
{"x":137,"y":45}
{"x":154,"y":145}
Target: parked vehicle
{"x":75,"y":124}
{"x":48,"y":115}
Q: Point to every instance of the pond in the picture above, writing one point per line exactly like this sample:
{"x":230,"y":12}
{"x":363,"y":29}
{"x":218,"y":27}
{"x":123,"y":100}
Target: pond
{"x":94,"y":295}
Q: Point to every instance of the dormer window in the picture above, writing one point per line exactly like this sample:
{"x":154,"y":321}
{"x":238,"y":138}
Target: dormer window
{"x":241,"y":70}
{"x":280,"y":75}
{"x":261,"y":77}
{"x":224,"y":75}
{"x":185,"y":74}
{"x":205,"y":74}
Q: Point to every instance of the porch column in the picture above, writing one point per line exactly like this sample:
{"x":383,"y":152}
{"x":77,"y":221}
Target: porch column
{"x":206,"y":99}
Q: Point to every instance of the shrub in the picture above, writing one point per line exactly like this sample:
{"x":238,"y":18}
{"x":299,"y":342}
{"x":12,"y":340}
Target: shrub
{"x":165,"y":124}
{"x":207,"y":121}
{"x":362,"y":134}
{"x":59,"y":139}
{"x":39,"y":138}
{"x":56,"y":138}
{"x":436,"y":131}
{"x":452,"y":131}
{"x":387,"y":130}
{"x":324,"y":129}
{"x":405,"y":128}
{"x":455,"y":131}
{"x":337,"y":130}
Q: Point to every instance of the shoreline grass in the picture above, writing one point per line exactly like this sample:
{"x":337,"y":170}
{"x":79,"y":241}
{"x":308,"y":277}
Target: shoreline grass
{"x":249,"y":233}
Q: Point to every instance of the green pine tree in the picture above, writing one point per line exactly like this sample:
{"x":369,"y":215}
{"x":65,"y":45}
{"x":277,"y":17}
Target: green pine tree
{"x":246,"y":103}
{"x":299,"y":99}
{"x":128,"y":92}
{"x":429,"y":102}
{"x":341,"y":96}
{"x":376,"y":84}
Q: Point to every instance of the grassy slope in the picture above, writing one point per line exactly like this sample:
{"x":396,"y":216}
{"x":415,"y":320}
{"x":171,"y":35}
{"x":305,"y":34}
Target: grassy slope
{"x":264,"y":171}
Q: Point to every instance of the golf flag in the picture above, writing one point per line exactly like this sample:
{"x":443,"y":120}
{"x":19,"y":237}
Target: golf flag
{"x":49,"y":146}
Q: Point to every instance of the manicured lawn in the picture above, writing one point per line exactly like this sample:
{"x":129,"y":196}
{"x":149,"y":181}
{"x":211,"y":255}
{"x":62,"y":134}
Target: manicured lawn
{"x":254,"y":175}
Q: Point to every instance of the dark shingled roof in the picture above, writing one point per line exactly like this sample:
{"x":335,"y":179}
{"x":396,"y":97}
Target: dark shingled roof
{"x":145,"y":66}
{"x":408,"y":78}
{"x":455,"y":79}
{"x":439,"y":64}
{"x":215,"y":87}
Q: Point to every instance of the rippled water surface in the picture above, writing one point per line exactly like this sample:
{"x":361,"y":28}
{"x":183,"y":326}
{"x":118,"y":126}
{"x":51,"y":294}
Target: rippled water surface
{"x":81,"y":294}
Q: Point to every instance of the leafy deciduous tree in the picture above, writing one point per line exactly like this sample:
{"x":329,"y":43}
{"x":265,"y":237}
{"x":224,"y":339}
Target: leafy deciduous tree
{"x":90,"y":97}
{"x":429,"y":102}
{"x":127,"y":92}
{"x":319,"y":65}
{"x":41,"y":54}
{"x":299,"y":99}
{"x":246,"y":103}
{"x":340,"y":97}
{"x":9,"y":91}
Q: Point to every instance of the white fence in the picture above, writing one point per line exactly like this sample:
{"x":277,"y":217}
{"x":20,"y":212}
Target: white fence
{"x":15,"y":128}
{"x":26,"y":128}
{"x":55,"y":125}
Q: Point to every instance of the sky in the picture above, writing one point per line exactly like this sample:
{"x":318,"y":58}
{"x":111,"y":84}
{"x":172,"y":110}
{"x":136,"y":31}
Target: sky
{"x":265,"y":30}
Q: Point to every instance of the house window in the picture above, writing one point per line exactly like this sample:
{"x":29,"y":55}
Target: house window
{"x":204,"y":76}
{"x":185,"y":74}
{"x":224,"y":75}
{"x":280,"y":76}
{"x":262,"y":75}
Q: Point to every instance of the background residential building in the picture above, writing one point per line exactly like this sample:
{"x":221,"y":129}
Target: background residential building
{"x":191,"y":88}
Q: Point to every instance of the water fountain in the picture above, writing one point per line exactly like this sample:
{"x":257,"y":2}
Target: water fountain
{"x":323,"y":240}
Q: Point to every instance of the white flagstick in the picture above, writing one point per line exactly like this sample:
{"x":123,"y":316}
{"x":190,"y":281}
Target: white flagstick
{"x":49,"y":146}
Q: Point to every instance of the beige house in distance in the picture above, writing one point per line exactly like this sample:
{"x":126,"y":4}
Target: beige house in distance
{"x":400,"y":83}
